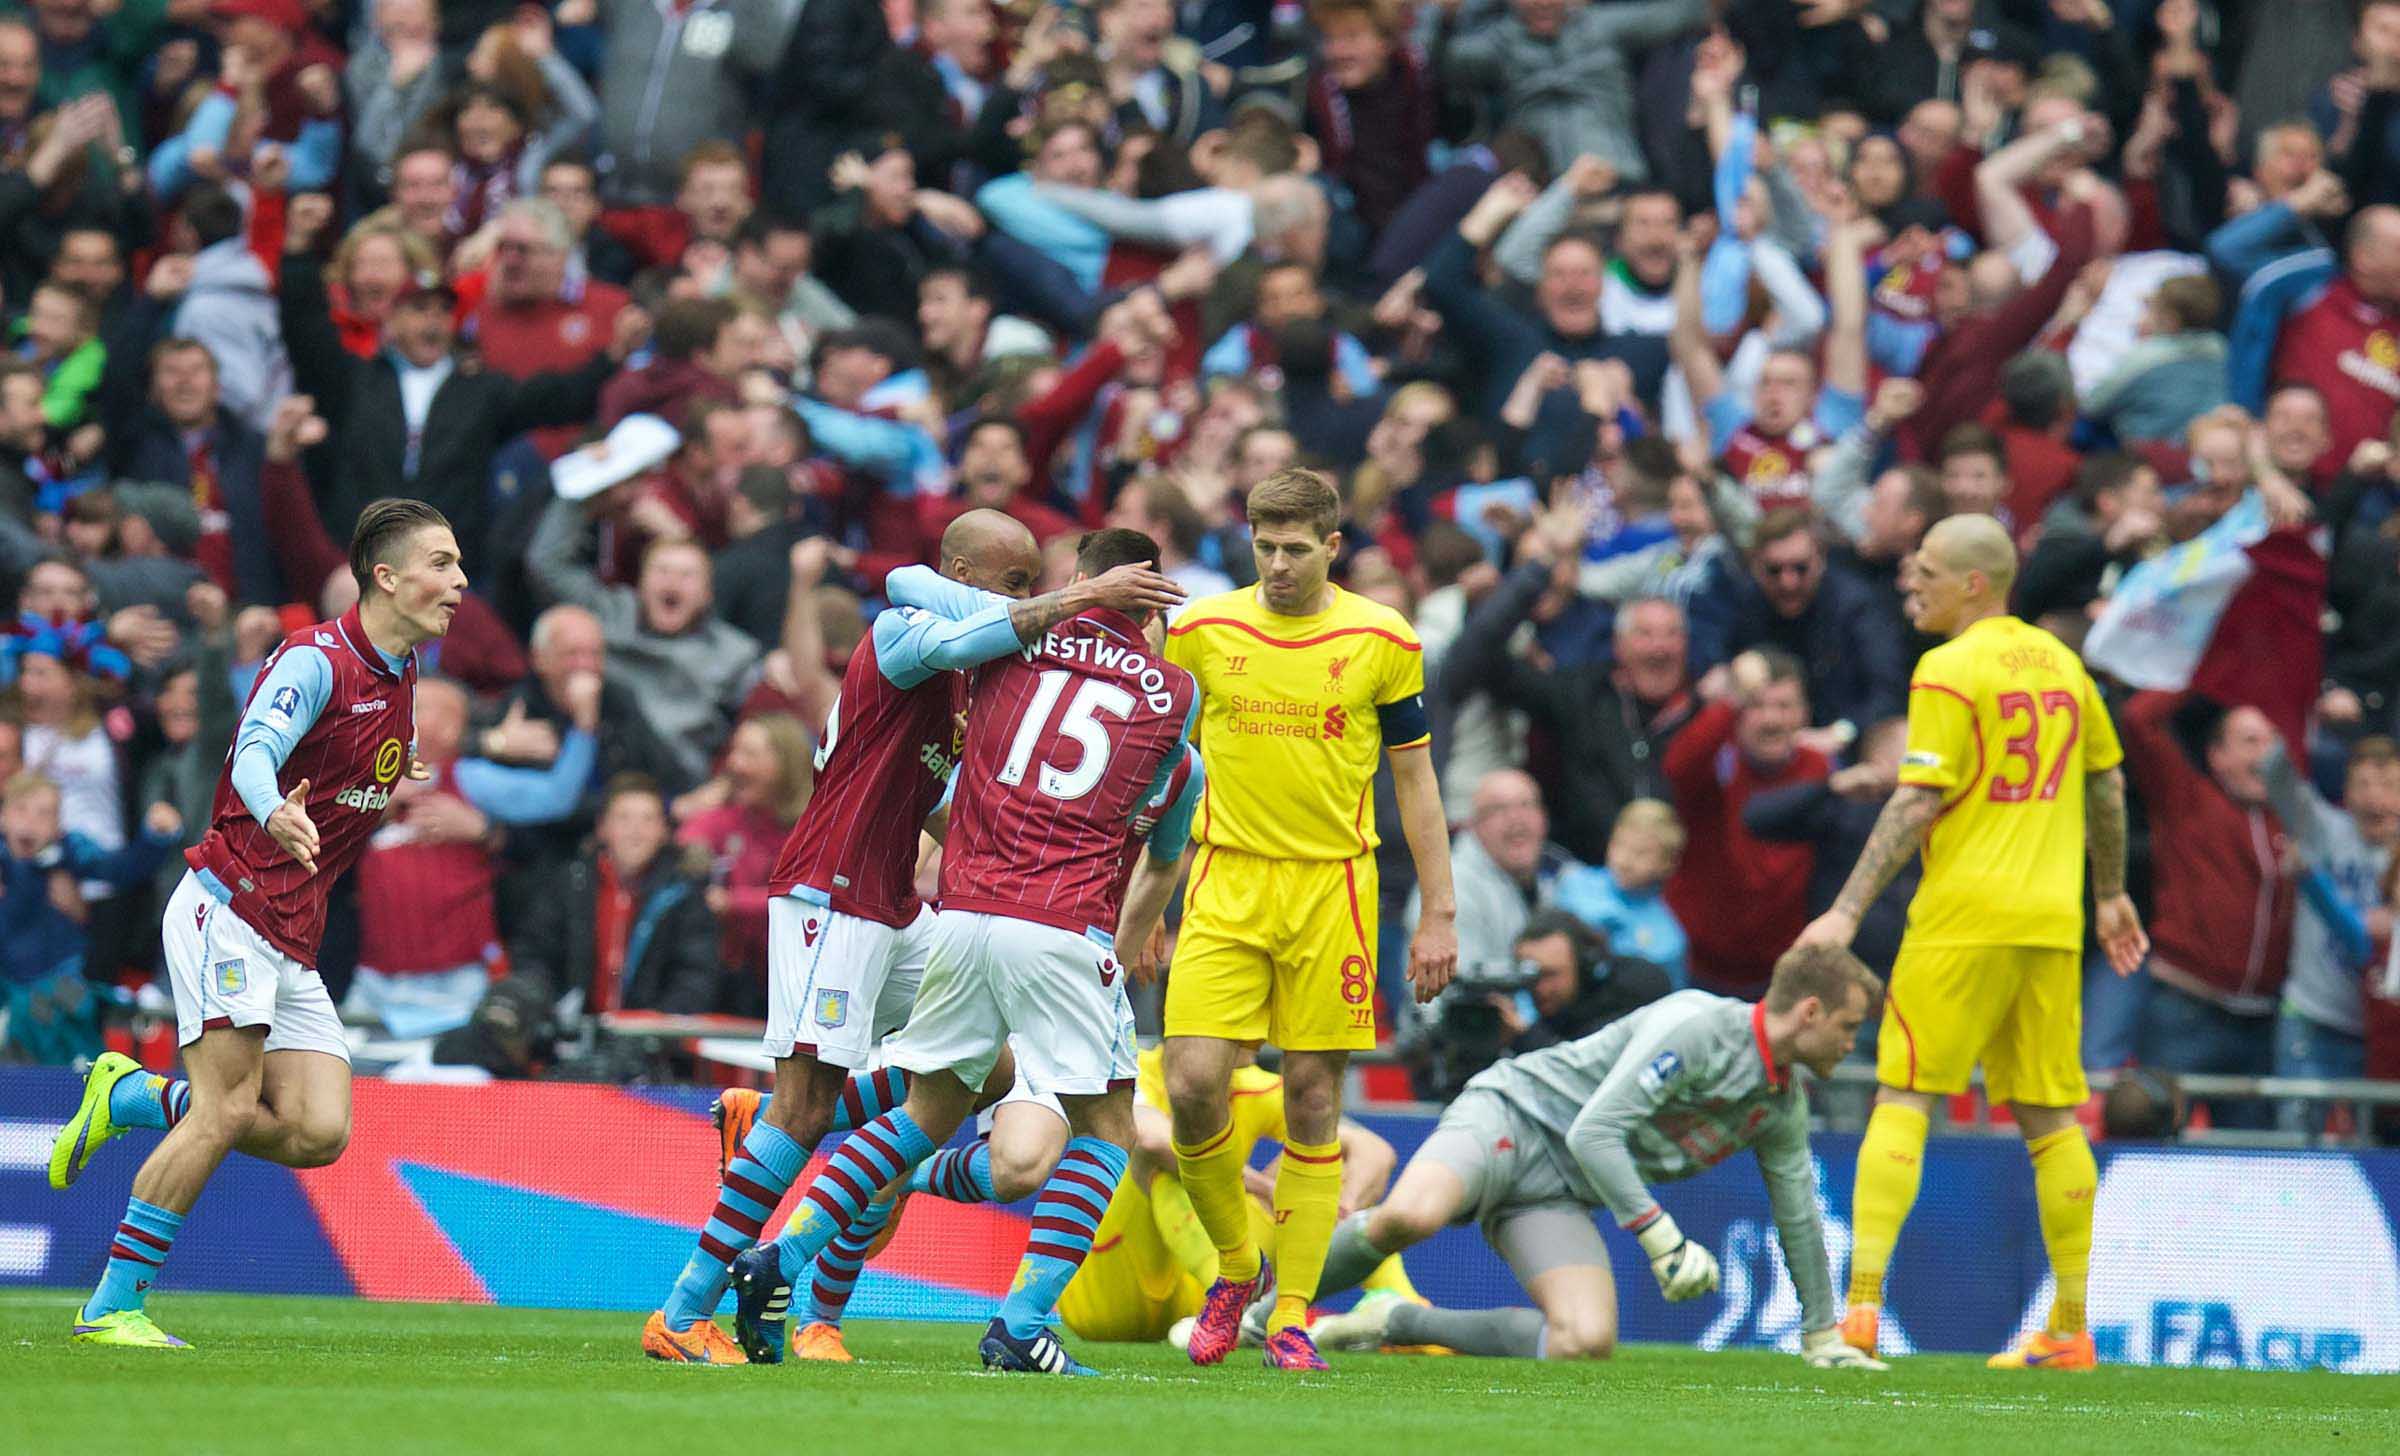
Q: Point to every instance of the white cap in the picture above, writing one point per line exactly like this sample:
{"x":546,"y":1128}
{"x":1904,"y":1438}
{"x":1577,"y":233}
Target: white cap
{"x":639,"y":444}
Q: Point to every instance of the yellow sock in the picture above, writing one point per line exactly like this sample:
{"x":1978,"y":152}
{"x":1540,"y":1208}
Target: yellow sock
{"x":2065,"y":1179}
{"x":1211,"y":1174}
{"x":1308,"y":1202}
{"x":1179,"y":1227}
{"x":1392,"y":1276}
{"x":1891,"y":1159}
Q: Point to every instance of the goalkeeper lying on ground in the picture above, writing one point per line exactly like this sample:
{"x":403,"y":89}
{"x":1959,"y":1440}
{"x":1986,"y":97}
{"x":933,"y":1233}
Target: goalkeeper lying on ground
{"x":1536,"y":1142}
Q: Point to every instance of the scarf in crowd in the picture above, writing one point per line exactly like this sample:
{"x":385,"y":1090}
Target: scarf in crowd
{"x":82,"y":646}
{"x":481,"y":190}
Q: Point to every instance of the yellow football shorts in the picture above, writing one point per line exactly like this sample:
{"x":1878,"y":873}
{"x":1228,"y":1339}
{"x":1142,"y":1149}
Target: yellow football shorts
{"x":1278,"y":950}
{"x":2017,"y":1010}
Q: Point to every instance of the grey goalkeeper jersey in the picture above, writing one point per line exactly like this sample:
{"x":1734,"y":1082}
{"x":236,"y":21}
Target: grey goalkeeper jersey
{"x":1669,"y":1091}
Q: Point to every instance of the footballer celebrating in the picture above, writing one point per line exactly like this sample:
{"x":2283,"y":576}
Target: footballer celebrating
{"x":1535,"y":1142}
{"x":2010,"y":781}
{"x":1070,"y":743}
{"x":847,"y":936}
{"x":329,"y":727}
{"x":1303,"y":687}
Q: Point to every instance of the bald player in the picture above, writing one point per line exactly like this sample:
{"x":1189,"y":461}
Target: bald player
{"x":2009,"y":783}
{"x":846,"y":934}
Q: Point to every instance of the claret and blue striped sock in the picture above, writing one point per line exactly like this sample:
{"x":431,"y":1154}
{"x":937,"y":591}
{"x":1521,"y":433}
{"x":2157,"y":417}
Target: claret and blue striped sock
{"x":867,"y":1096}
{"x":838,"y":1268}
{"x":872,"y":1158}
{"x":141,"y":1245}
{"x":1065,"y":1218}
{"x":960,"y":1175}
{"x":755,"y":1183}
{"x":146,"y":1099}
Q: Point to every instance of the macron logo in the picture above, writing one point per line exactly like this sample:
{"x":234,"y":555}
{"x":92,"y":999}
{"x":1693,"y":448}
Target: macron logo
{"x":373,"y":707}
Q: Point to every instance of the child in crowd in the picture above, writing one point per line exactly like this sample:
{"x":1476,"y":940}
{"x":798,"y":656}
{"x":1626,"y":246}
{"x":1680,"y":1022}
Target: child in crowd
{"x":53,"y":1017}
{"x":1625,"y":899}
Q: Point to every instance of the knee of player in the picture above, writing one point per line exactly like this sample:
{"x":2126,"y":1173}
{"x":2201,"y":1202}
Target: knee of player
{"x":1580,"y":1337}
{"x":1020,"y":1172}
{"x":804,"y":1116}
{"x":1196,"y":1100}
{"x":224,"y":1117}
{"x":1317,"y":1105}
{"x":322,"y":1142}
{"x":1394,"y":1226}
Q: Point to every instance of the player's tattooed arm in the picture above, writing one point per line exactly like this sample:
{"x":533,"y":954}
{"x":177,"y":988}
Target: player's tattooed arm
{"x":1036,"y":615}
{"x":1133,"y":589}
{"x":1899,"y":833}
{"x":2104,"y":828}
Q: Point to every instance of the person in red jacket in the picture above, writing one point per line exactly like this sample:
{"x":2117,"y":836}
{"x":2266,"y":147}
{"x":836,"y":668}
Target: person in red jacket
{"x":1961,"y":372}
{"x":2342,"y":343}
{"x":2221,"y":898}
{"x":527,"y":315}
{"x":768,"y":780}
{"x":1742,"y":899}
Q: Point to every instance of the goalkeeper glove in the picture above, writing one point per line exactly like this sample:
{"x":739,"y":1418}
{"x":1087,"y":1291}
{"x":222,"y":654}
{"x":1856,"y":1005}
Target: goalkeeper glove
{"x":1825,"y":1349}
{"x":1684,"y":1269}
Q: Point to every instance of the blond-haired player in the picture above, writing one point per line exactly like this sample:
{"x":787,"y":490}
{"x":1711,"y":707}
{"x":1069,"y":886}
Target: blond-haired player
{"x":2010,"y":781}
{"x":1304,"y":688}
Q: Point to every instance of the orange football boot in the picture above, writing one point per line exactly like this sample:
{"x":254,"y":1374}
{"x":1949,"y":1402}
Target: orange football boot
{"x":705,"y":1343}
{"x":2046,"y":1351}
{"x":1859,"y":1327}
{"x":734,"y":1112}
{"x":821,"y":1341}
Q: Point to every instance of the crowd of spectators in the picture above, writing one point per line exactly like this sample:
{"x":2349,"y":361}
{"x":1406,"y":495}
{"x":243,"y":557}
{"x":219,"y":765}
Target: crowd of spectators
{"x":1643,"y":338}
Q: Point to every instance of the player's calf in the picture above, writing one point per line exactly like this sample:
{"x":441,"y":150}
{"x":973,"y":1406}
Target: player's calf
{"x":806,"y":1093}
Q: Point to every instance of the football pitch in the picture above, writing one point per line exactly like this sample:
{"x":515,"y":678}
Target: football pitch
{"x":317,"y":1375}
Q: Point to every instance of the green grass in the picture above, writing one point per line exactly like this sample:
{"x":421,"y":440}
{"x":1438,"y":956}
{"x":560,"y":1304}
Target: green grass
{"x":322,"y":1376}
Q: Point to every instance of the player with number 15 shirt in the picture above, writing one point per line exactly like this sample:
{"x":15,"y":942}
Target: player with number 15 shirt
{"x":1066,"y":742}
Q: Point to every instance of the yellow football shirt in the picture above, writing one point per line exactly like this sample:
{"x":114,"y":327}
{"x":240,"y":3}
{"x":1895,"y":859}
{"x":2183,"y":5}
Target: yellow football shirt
{"x":2006,"y":724}
{"x":1289,"y":726}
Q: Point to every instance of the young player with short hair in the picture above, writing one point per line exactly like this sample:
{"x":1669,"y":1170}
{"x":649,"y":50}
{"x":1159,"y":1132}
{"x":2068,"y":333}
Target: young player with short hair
{"x":1536,"y":1142}
{"x":329,"y":728}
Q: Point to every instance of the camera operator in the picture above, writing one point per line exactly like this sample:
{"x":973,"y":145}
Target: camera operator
{"x":1560,"y":984}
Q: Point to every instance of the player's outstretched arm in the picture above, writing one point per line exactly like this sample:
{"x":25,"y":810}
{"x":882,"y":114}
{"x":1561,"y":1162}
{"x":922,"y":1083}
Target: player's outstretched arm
{"x":1132,"y":589}
{"x":1646,"y":1072}
{"x":1433,"y":951}
{"x":2114,"y":920}
{"x":1899,"y":833}
{"x":1791,"y":1177}
{"x":1141,"y":934}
